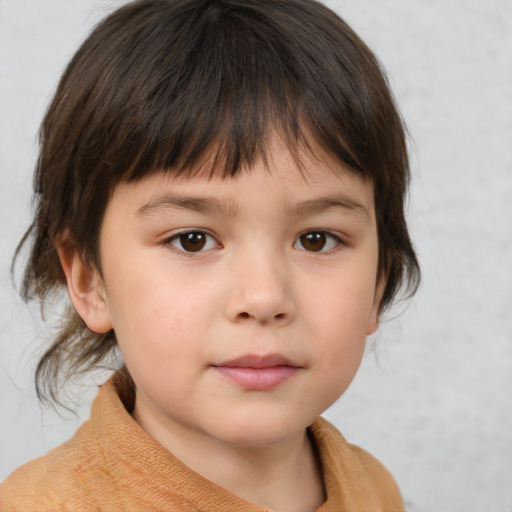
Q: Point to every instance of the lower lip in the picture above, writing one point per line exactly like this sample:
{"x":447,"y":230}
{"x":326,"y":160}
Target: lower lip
{"x":258,"y":379}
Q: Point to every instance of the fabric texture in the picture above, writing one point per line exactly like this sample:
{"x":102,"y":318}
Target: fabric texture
{"x":111,"y":464}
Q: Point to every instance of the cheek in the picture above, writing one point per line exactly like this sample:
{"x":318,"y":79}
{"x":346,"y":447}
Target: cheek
{"x":338,"y":323}
{"x":159,"y":319}
{"x":338,"y":352}
{"x":344,"y":307}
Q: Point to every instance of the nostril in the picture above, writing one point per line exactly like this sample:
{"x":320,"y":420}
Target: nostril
{"x":244,"y":315}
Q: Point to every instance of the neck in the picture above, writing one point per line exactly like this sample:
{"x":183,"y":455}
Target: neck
{"x":284,"y":476}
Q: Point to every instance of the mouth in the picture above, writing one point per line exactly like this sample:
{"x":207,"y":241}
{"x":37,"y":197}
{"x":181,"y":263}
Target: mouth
{"x":258,"y":373}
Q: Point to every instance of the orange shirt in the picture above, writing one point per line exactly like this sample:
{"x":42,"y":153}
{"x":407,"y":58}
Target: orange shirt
{"x":111,"y":464}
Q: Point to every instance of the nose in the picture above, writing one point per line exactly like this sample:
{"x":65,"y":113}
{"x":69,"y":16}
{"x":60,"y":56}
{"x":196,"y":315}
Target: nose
{"x":261,"y":291}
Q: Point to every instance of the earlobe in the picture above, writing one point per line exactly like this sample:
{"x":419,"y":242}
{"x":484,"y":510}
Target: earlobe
{"x":85,"y":287}
{"x":373,"y":319}
{"x":373,"y":324}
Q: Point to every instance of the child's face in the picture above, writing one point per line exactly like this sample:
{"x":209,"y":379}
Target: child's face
{"x":241,"y":305}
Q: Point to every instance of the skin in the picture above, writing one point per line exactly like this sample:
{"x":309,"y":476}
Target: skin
{"x":258,"y":286}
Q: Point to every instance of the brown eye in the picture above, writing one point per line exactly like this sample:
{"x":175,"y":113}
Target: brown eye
{"x":313,"y":241}
{"x":316,"y":241}
{"x":193,"y":241}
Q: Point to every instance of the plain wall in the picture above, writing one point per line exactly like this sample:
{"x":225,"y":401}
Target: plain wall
{"x":433,"y":399}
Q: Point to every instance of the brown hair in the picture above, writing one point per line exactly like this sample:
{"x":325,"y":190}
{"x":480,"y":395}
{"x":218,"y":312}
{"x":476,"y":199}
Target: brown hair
{"x":160,"y":85}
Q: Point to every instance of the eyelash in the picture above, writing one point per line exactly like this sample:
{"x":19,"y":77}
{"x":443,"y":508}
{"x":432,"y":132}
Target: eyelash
{"x":198,"y":232}
{"x":330,"y":239}
{"x":311,"y":236}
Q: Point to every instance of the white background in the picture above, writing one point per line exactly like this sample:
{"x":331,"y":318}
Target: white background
{"x":433,"y":399}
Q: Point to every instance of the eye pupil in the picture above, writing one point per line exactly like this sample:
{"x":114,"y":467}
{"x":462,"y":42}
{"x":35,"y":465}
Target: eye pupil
{"x":313,"y":241}
{"x":193,"y":242}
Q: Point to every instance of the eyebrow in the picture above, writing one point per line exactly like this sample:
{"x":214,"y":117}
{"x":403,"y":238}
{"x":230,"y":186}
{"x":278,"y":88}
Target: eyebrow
{"x":322,"y":204}
{"x":230,"y":208}
{"x":197,"y":204}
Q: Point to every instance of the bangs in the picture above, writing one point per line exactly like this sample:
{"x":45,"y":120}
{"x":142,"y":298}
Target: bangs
{"x":204,"y":85}
{"x":212,"y":112}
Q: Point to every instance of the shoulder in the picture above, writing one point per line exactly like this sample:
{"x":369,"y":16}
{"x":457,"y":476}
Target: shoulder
{"x":60,"y":480}
{"x":364,"y":481}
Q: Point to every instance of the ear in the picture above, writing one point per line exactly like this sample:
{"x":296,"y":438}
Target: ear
{"x":85,"y":287}
{"x":373,"y":321}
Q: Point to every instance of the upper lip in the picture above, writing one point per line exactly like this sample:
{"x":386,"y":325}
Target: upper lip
{"x":256,"y":361}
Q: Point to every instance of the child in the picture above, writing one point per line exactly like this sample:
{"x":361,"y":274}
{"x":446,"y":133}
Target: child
{"x":220,"y":187}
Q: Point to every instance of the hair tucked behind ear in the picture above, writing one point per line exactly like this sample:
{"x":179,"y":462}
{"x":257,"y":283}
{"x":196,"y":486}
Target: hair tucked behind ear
{"x":167,"y":85}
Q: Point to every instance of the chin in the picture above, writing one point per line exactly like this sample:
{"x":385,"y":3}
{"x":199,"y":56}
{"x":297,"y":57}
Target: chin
{"x":261,"y":431}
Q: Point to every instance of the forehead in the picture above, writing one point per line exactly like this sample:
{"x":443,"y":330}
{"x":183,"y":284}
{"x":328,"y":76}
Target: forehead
{"x":285,"y":181}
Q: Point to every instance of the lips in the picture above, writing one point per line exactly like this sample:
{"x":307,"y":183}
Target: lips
{"x":258,"y":373}
{"x":254,"y":361}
